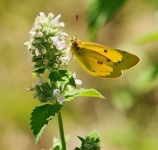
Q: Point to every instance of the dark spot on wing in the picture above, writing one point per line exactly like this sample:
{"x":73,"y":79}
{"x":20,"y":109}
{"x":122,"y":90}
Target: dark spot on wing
{"x":99,"y":62}
{"x":105,"y":51}
{"x":93,"y":71}
{"x":118,"y":62}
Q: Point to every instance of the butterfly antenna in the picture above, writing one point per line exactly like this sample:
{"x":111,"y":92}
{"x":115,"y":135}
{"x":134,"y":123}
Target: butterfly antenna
{"x":76,"y":25}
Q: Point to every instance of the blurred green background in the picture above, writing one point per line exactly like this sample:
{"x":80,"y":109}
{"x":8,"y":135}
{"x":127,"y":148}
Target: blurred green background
{"x":128,"y":118}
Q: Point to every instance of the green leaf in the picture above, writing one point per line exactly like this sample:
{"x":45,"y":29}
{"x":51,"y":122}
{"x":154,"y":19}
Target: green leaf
{"x":40,"y":117}
{"x":100,"y":12}
{"x":39,"y":71}
{"x":57,"y":75}
{"x":70,"y":95}
{"x":63,"y":76}
{"x":72,"y":81}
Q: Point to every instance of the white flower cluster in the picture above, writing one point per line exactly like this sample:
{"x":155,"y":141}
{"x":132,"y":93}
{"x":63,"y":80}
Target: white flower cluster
{"x":46,"y":36}
{"x":48,"y":26}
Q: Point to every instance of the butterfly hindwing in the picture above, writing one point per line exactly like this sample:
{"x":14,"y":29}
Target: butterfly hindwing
{"x":95,"y":64}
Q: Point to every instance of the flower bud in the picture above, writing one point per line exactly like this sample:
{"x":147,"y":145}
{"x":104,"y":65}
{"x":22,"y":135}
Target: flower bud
{"x":60,"y":99}
{"x":39,"y":34}
{"x":56,"y":92}
{"x":50,"y":16}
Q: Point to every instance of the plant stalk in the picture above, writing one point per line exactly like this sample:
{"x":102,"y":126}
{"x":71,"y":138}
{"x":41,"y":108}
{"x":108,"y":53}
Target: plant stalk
{"x":61,"y":131}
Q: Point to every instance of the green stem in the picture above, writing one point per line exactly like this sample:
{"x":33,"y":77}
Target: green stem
{"x":61,"y":131}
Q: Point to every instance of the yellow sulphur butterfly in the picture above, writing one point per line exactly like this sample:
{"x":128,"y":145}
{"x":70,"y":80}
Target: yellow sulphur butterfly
{"x":100,"y":60}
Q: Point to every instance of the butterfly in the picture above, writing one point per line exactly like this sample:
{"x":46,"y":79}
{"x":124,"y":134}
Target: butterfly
{"x":100,"y":60}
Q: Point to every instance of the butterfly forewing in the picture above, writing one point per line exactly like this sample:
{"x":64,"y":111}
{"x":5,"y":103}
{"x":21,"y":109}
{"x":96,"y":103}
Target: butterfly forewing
{"x":122,"y":59}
